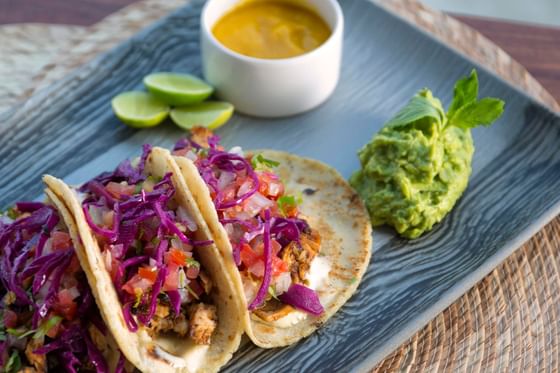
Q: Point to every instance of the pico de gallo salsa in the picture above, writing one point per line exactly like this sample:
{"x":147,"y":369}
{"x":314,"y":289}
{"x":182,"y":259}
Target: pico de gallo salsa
{"x":48,"y":318}
{"x":147,"y":243}
{"x":273,"y":245}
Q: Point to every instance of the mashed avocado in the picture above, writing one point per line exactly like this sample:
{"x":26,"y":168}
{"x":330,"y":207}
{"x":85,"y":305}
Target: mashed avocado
{"x":416,"y":168}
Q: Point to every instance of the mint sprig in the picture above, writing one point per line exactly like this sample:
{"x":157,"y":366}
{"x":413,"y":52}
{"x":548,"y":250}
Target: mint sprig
{"x":466,"y":111}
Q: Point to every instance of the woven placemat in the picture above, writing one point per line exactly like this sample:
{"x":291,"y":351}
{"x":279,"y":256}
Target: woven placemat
{"x":510,"y":321}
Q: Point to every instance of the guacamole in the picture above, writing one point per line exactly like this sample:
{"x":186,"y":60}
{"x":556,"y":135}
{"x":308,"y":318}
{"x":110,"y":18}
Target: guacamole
{"x":415,"y":169}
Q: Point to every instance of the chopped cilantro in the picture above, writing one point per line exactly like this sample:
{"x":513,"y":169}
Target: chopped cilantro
{"x":20,"y":333}
{"x":138,"y":298}
{"x":258,"y":161}
{"x":14,"y":363}
{"x":272,"y":292}
{"x":46,"y":327}
{"x":352,"y":280}
{"x":287,"y":202}
{"x":2,"y":331}
{"x":12,"y":213}
{"x":38,"y":333}
{"x":192,"y":262}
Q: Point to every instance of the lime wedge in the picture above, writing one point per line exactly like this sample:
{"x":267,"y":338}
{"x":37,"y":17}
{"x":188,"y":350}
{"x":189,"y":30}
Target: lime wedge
{"x":177,"y":89}
{"x":139,"y":109}
{"x":209,"y":114}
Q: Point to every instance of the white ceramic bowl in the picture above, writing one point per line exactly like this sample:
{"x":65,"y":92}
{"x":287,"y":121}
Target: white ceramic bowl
{"x":272,"y":87}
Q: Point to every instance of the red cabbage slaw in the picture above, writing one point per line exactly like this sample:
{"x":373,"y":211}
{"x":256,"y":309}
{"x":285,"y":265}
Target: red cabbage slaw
{"x":46,"y":299}
{"x":246,"y":199}
{"x":146,"y":240}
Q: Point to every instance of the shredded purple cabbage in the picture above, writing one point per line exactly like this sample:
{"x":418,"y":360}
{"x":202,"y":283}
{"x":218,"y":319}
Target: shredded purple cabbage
{"x":141,"y":220}
{"x":303,"y":298}
{"x":267,"y":277}
{"x":35,"y":279}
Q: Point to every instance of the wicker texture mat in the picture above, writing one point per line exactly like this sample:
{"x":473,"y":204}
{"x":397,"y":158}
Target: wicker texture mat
{"x":510,"y":321}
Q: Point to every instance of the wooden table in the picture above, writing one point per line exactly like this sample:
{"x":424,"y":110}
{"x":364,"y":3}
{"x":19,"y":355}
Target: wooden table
{"x":510,"y":321}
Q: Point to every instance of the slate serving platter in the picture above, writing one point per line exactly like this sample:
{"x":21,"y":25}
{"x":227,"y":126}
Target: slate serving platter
{"x":68,"y":130}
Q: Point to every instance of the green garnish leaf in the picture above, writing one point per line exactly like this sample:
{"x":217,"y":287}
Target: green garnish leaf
{"x":466,"y":111}
{"x":12,"y":213}
{"x":286,"y":202}
{"x":20,"y":333}
{"x":46,"y":327}
{"x":192,"y":262}
{"x":38,"y":333}
{"x":464,"y":93}
{"x":258,"y":161}
{"x":483,"y":112}
{"x":138,"y":298}
{"x":272,"y":292}
{"x":423,"y":105}
{"x":14,"y":363}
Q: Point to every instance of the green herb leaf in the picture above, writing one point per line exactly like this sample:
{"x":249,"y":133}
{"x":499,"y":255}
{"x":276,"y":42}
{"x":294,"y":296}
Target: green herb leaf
{"x":423,"y":105}
{"x":285,"y":203}
{"x":46,"y":326}
{"x":138,"y":298}
{"x":14,"y":363}
{"x":20,"y":333}
{"x":258,"y":161}
{"x":12,"y":213}
{"x":192,"y":262}
{"x":272,"y":292}
{"x":483,"y":112}
{"x":465,"y":92}
{"x":466,"y":111}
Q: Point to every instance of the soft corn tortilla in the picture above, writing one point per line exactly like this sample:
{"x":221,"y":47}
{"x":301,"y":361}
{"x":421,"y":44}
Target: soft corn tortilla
{"x":111,"y":352}
{"x":332,"y":207}
{"x":164,"y":354}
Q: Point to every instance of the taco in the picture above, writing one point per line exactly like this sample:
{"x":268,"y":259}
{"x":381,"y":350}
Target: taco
{"x":50,"y":322}
{"x":156,"y":275}
{"x":294,"y":235}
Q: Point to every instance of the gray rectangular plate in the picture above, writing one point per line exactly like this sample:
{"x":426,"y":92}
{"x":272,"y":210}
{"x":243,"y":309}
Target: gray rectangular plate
{"x":69,"y":130}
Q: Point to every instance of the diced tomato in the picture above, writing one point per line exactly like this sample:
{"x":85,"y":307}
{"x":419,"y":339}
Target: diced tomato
{"x":192,"y":272}
{"x":148,"y":273}
{"x":117,"y":189}
{"x":137,"y":283}
{"x":60,"y":240}
{"x":248,"y":255}
{"x":275,"y":246}
{"x":270,"y":186}
{"x":176,"y":257}
{"x":65,"y":305}
{"x":229,"y":192}
{"x":10,"y":318}
{"x":278,"y":266}
{"x":257,"y":268}
{"x":172,"y":279}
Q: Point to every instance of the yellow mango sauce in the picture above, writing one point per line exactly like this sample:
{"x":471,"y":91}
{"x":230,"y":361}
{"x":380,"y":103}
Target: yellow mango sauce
{"x":271,"y":29}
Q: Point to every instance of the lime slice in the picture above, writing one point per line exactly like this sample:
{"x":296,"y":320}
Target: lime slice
{"x":177,"y":89}
{"x":209,"y":114}
{"x":139,"y":109}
